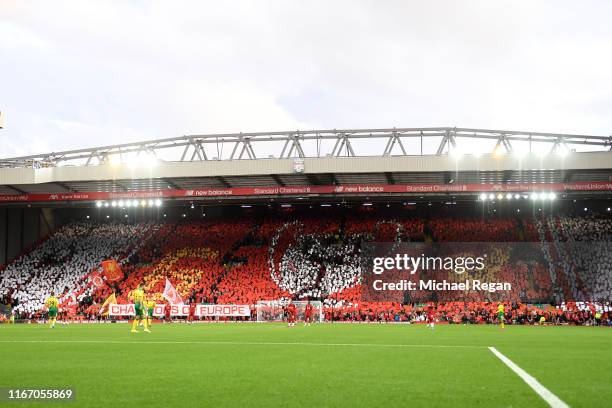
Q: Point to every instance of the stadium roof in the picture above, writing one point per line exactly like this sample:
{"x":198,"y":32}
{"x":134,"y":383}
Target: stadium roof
{"x":319,"y":143}
{"x":407,"y":157}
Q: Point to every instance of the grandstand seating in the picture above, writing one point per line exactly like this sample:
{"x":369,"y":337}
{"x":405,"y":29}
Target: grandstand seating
{"x":229,"y":261}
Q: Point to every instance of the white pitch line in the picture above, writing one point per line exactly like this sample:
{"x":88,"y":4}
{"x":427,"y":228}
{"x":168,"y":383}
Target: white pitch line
{"x":246,"y":343}
{"x":549,"y":397}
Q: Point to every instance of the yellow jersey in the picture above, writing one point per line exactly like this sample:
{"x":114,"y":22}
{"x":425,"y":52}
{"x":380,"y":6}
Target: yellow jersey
{"x":149,"y":304}
{"x":138,"y":295}
{"x":500,"y":308}
{"x":52,"y":302}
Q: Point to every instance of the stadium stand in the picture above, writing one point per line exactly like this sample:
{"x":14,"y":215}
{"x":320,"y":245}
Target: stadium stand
{"x":61,"y":262}
{"x":245,"y":260}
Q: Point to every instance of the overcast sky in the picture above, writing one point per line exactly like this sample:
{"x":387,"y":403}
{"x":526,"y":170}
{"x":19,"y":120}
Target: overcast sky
{"x":86,"y":73}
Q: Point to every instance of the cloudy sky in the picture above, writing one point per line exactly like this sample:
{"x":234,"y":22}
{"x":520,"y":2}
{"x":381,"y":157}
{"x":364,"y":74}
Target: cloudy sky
{"x":86,"y":73}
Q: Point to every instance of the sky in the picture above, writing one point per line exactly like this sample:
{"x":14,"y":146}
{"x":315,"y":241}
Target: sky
{"x":79,"y":74}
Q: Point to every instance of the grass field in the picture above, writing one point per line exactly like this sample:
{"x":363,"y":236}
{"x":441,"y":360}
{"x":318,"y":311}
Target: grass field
{"x":327,"y":365}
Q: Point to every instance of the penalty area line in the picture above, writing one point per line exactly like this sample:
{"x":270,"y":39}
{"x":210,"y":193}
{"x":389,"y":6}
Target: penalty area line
{"x":550,"y":398}
{"x":247,"y":343}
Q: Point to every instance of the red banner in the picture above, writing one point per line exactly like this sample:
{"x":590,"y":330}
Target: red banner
{"x":112,"y":271}
{"x":306,"y":190}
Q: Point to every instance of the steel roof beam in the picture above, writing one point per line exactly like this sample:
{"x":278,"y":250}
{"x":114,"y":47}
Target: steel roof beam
{"x":246,"y":145}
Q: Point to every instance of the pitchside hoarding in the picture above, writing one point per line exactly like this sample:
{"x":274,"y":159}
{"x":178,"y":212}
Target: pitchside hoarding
{"x":183,"y":310}
{"x":223,"y":310}
{"x":305,"y":190}
{"x":128,"y":310}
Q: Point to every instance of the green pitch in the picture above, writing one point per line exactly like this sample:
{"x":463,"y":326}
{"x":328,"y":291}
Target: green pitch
{"x":326,"y":365}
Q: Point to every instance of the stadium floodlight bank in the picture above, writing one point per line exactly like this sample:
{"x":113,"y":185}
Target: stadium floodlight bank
{"x":274,"y":310}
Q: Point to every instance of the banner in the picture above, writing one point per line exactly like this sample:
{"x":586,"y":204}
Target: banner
{"x":121,"y":310}
{"x":112,"y":270}
{"x":222,"y":310}
{"x":179,"y":310}
{"x":159,"y":311}
{"x":104,"y":309}
{"x":171,"y":295}
{"x":128,"y":310}
{"x":305,"y":190}
{"x":183,"y":310}
{"x":96,"y":279}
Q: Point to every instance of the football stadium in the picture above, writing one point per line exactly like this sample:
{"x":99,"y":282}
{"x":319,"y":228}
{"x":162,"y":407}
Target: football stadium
{"x":274,"y":204}
{"x":258,"y":278}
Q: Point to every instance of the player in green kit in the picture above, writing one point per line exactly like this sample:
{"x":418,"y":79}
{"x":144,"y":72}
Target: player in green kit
{"x":500,"y":314}
{"x":150,"y":306}
{"x":52,"y":304}
{"x":139,"y":309}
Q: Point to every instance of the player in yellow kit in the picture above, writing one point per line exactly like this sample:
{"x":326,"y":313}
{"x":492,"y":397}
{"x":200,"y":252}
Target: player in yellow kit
{"x":52,"y":305}
{"x":500,"y":314}
{"x":149,"y":307}
{"x":137,"y":296}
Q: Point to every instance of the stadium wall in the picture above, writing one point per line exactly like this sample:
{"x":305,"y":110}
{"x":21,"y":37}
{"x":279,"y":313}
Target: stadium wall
{"x":22,"y":227}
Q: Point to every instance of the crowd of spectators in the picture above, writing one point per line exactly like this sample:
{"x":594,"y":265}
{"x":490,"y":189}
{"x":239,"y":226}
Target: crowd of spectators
{"x":578,"y":251}
{"x":61,"y":263}
{"x":243,"y":261}
{"x":585,"y":248}
{"x":571,"y":313}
